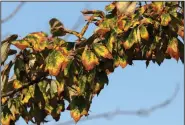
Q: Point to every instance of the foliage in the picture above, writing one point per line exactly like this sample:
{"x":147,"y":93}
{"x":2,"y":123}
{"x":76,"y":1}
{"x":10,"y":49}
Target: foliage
{"x":49,"y":70}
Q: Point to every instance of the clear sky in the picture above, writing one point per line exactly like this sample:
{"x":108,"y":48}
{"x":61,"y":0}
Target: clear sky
{"x":130,"y":88}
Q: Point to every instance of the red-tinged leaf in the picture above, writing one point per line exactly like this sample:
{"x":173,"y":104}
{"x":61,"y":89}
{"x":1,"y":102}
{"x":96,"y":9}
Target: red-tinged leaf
{"x":165,"y":19}
{"x":121,"y":24}
{"x":75,"y":114}
{"x":60,"y":86}
{"x":5,"y":120}
{"x":89,"y":59}
{"x":101,"y":31}
{"x":17,"y":84}
{"x":54,"y":62}
{"x":144,"y":33}
{"x":102,"y":51}
{"x":172,"y":48}
{"x":123,"y":62}
{"x":21,"y":44}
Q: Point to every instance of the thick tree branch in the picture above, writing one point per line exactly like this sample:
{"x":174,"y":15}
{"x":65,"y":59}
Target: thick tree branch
{"x":139,"y":112}
{"x":13,"y":13}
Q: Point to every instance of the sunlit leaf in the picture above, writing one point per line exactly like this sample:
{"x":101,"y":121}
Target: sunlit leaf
{"x":111,"y":42}
{"x":17,"y":84}
{"x":132,"y":38}
{"x":21,"y":44}
{"x":165,"y":19}
{"x":144,"y":33}
{"x":102,"y":51}
{"x":110,"y":7}
{"x":54,"y":62}
{"x":89,"y":59}
{"x":172,"y":49}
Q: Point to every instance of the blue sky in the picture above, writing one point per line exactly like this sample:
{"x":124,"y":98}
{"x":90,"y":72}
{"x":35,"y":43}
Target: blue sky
{"x":130,"y":88}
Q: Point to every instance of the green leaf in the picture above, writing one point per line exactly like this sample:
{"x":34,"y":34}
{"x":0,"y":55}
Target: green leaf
{"x":165,"y":19}
{"x":57,"y":28}
{"x":89,"y":59}
{"x":54,"y":62}
{"x":112,"y":39}
{"x":102,"y":51}
{"x":53,"y":88}
{"x":132,"y":38}
{"x":19,"y":68}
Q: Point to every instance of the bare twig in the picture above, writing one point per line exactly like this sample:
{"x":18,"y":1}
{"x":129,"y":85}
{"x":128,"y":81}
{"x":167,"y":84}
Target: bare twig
{"x":77,"y":23}
{"x":13,"y":13}
{"x":140,"y":112}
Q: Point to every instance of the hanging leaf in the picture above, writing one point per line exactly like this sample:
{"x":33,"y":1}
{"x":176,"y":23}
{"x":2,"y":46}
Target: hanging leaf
{"x":57,"y":28}
{"x":144,"y":33}
{"x":110,"y":42}
{"x":102,"y":51}
{"x":127,"y":25}
{"x":54,"y":62}
{"x":89,"y":59}
{"x":5,"y":47}
{"x":165,"y":19}
{"x":132,"y":38}
{"x":172,"y":48}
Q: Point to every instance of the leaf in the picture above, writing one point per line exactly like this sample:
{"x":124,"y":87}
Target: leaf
{"x":5,"y":120}
{"x":19,"y":68}
{"x":89,"y":59}
{"x":127,"y":25}
{"x":60,"y":86}
{"x":157,"y":6}
{"x":21,"y":44}
{"x":121,"y":24}
{"x":54,"y":62}
{"x":120,"y":61}
{"x":165,"y":19}
{"x":132,"y":38}
{"x":110,"y":7}
{"x":17,"y":84}
{"x":144,"y":33}
{"x":5,"y":86}
{"x":53,"y":88}
{"x":172,"y":48}
{"x":5,"y":47}
{"x":38,"y":40}
{"x":75,"y":114}
{"x":102,"y":51}
{"x":112,"y":39}
{"x":57,"y":28}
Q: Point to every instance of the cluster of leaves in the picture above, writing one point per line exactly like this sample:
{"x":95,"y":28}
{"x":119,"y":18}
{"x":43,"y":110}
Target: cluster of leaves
{"x":49,"y":70}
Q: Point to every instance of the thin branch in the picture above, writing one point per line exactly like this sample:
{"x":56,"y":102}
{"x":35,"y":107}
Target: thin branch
{"x":77,"y":23}
{"x":140,"y":112}
{"x":13,"y":13}
{"x":10,"y":93}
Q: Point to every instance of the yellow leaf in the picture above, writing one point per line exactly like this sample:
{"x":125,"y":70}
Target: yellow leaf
{"x":17,"y":84}
{"x":89,"y":59}
{"x":144,"y":33}
{"x":75,"y":114}
{"x":102,"y":51}
{"x":172,"y":48}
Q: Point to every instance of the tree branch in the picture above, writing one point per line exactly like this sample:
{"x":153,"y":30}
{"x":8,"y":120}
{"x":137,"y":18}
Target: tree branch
{"x":13,"y":13}
{"x":139,"y":112}
{"x":24,"y":86}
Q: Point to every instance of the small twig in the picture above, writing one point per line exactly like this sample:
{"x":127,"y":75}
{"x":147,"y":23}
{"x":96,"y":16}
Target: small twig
{"x":13,"y":13}
{"x":140,"y":112}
